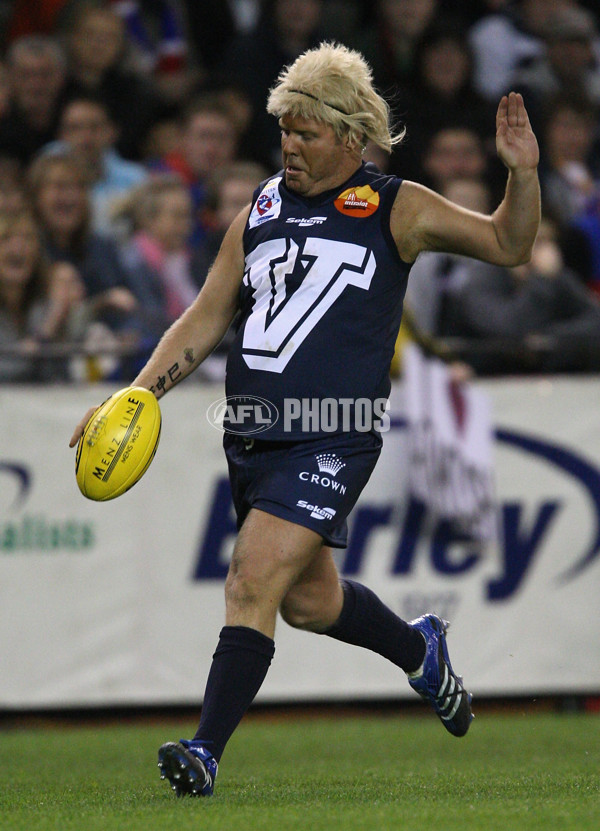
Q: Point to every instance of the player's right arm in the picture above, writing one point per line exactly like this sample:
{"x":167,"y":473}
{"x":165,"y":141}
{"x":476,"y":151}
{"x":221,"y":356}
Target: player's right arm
{"x":200,"y":328}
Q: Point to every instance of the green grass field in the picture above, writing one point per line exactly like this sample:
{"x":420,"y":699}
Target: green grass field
{"x":512,"y":772}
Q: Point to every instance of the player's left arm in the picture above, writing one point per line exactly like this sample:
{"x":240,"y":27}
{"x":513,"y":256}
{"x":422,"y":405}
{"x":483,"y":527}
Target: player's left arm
{"x":425,"y":221}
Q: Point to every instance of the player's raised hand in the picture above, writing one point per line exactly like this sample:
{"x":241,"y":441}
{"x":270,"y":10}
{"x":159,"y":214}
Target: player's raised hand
{"x":515,"y":140}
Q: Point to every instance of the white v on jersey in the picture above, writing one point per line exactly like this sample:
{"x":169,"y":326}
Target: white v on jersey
{"x":321,"y":297}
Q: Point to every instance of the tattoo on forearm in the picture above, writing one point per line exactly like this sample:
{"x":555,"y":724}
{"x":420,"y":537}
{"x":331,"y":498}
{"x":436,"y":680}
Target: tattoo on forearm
{"x":174,"y":373}
{"x":188,"y":354}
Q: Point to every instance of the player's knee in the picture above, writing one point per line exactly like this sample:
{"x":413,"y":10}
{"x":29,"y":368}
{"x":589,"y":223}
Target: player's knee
{"x":241,"y":591}
{"x":292,"y":613}
{"x":301,"y":611}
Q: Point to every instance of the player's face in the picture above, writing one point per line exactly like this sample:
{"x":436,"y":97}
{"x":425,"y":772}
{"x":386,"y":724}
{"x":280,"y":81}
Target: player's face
{"x":314,"y":158}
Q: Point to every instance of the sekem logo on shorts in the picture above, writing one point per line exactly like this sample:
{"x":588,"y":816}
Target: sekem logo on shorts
{"x":316,"y":511}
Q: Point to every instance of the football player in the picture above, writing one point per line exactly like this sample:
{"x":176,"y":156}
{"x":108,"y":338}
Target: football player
{"x":317,"y":268}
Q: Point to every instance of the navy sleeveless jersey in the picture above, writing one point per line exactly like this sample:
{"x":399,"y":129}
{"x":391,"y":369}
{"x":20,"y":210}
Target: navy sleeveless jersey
{"x":320,"y":302}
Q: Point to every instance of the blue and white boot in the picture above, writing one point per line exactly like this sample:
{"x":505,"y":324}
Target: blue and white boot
{"x":435,"y":680}
{"x":189,"y":767}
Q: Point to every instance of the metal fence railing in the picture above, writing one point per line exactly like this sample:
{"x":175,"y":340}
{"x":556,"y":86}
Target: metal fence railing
{"x":76,"y":361}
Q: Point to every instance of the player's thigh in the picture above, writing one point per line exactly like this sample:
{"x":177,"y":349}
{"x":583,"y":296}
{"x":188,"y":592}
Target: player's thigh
{"x":271,"y":553}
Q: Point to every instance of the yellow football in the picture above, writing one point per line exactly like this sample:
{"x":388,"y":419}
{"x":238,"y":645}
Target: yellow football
{"x":118,"y":444}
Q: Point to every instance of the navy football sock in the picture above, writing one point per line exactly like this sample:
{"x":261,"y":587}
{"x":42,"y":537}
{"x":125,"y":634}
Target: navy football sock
{"x":239,"y":667}
{"x":366,"y":621}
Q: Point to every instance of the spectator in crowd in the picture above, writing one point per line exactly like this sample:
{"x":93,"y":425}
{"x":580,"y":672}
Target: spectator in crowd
{"x":87,"y":129}
{"x":568,"y":65}
{"x":208,"y":141}
{"x":159,"y":45}
{"x":441,"y":92}
{"x":435,"y":278}
{"x":95,"y":41}
{"x":390,"y":43}
{"x":36,"y":301}
{"x":506,"y":38}
{"x":569,"y":171}
{"x":118,"y":110}
{"x":453,"y":152}
{"x":155,"y":29}
{"x":59,"y":191}
{"x":233,"y":96}
{"x":229,"y":191}
{"x":286,"y":29}
{"x":427,"y":318}
{"x":163,"y":271}
{"x":36,"y":74}
{"x":163,"y":140}
{"x":549,"y":321}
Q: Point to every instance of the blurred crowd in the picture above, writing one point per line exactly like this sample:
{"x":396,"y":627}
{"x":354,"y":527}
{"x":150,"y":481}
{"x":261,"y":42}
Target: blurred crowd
{"x":131,"y":133}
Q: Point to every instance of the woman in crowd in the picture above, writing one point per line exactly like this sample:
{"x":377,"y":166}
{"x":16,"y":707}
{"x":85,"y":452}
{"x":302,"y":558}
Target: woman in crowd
{"x":59,"y":191}
{"x":38,"y":302}
{"x":60,"y":194}
{"x":163,"y":269}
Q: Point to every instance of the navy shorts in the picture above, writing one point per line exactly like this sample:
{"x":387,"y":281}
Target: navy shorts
{"x":314,"y":483}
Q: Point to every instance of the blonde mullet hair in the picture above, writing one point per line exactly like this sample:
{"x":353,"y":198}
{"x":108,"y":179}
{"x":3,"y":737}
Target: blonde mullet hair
{"x":334,"y":85}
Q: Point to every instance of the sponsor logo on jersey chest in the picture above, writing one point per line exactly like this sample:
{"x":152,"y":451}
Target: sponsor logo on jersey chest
{"x":359,"y":202}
